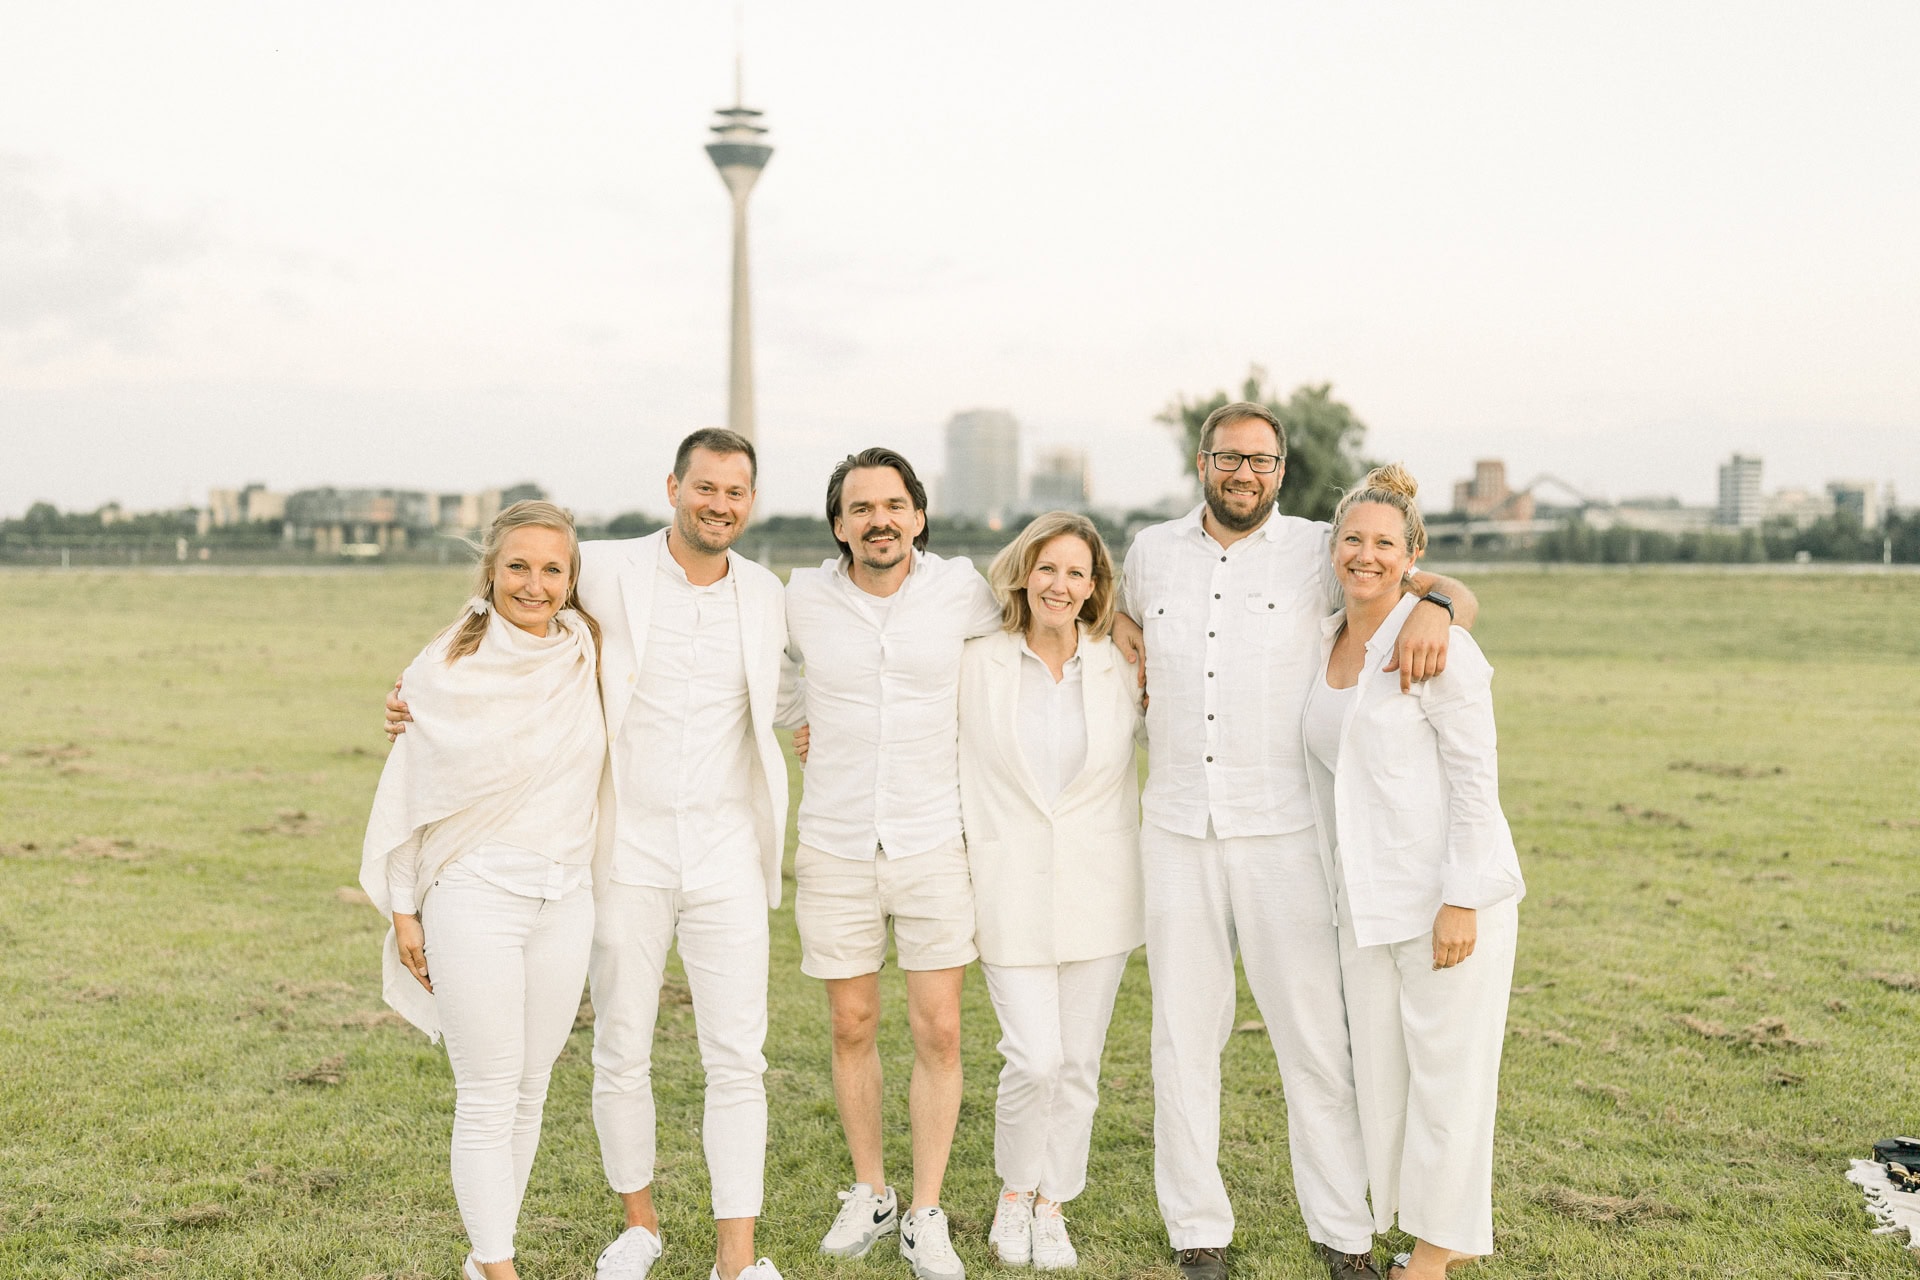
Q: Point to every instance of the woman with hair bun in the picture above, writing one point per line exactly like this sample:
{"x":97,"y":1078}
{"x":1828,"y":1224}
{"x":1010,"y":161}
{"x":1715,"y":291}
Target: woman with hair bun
{"x":480,"y":848}
{"x":1425,"y":881}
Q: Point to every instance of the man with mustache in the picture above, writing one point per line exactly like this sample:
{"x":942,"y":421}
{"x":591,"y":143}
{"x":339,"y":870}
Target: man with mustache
{"x":878,"y":633}
{"x":1231,"y":596}
{"x":692,"y":824}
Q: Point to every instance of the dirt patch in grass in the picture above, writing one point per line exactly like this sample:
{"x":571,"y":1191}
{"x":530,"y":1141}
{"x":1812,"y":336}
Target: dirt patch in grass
{"x":1546,"y":1035}
{"x":1618,"y":1095}
{"x":287,"y":822}
{"x":1652,"y":817}
{"x":200,"y":1215}
{"x":328,"y":1071}
{"x":54,"y":755}
{"x":1624,"y":1210}
{"x":367,"y":1019}
{"x":1897,"y":981}
{"x":355,"y":897}
{"x":1767,"y":1033}
{"x":101,"y":847}
{"x":1720,"y":770}
{"x":21,"y":849}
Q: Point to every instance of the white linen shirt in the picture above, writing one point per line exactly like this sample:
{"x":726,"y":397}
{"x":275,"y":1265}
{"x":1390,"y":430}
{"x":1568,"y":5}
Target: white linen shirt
{"x":1053,"y":722}
{"x":882,"y":680}
{"x":683,"y":755}
{"x":1231,"y":636}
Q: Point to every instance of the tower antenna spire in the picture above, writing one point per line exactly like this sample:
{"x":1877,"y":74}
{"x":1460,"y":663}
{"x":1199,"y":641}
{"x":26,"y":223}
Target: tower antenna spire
{"x":739,"y":151}
{"x":739,"y":52}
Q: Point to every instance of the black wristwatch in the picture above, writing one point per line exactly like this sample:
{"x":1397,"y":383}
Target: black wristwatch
{"x":1444,"y":601}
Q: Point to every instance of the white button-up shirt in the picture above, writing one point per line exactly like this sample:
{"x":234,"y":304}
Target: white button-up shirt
{"x":1053,"y":722}
{"x":683,"y":756}
{"x":882,"y":681}
{"x":1232,"y":637}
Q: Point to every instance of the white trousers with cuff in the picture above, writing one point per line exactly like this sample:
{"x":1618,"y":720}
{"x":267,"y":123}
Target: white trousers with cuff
{"x":723,"y":943}
{"x":507,"y":971}
{"x":1053,"y":1026}
{"x":1426,"y":1064}
{"x":1267,"y":897}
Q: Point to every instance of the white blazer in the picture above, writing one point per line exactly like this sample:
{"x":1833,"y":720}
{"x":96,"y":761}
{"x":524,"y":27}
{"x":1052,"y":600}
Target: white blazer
{"x":1416,"y":797}
{"x":1060,"y":883}
{"x":616,"y":587}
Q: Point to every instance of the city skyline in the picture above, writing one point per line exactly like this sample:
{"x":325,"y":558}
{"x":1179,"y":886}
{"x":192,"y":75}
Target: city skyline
{"x":1612,"y":247}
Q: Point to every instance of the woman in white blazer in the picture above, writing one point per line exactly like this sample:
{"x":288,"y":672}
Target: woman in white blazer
{"x":1424,"y":880}
{"x":480,"y":848}
{"x":1050,"y":795}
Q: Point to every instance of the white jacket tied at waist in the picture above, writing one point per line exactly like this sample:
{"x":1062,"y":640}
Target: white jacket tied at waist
{"x":1060,"y":883}
{"x":616,"y":587}
{"x":1417,"y":791}
{"x":517,"y":719}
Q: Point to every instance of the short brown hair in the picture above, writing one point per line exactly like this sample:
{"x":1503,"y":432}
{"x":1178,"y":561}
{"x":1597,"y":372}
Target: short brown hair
{"x":1008,"y":573}
{"x":1236,"y":412}
{"x":716,"y":440}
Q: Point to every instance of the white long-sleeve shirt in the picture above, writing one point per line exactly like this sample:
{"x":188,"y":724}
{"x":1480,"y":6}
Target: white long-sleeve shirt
{"x":683,"y":756}
{"x":1232,"y":636}
{"x":882,"y":678}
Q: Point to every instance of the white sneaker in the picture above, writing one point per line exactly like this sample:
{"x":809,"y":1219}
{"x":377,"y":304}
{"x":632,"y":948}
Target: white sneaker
{"x":863,"y":1218}
{"x":630,"y":1257}
{"x":924,"y":1244}
{"x":1052,"y":1251}
{"x":761,"y":1270}
{"x":1011,"y":1238}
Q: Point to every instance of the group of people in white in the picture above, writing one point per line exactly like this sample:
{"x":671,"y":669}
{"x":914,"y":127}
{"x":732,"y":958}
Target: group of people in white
{"x":586,"y":774}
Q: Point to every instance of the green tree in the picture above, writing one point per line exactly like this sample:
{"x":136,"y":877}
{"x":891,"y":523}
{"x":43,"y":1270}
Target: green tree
{"x":1323,"y":440}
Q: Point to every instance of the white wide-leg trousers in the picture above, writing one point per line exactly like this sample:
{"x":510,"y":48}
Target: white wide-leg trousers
{"x":507,"y":972}
{"x":1053,"y":1026}
{"x":1426,"y":1064}
{"x":1265,"y":895}
{"x":722,"y":937}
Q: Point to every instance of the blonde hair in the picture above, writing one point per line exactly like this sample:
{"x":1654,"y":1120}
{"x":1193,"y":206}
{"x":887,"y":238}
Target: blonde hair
{"x":1008,"y":573}
{"x":468,"y":631}
{"x":1394,"y":486}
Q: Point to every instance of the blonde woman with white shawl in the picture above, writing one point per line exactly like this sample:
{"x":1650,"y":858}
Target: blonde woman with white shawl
{"x":480,"y":849}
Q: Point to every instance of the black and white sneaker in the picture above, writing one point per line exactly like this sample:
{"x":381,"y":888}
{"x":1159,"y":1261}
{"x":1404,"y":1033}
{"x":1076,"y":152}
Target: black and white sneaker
{"x":865,"y":1215}
{"x":925,"y":1246}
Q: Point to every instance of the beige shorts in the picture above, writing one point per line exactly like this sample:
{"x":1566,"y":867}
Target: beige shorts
{"x":842,"y":907}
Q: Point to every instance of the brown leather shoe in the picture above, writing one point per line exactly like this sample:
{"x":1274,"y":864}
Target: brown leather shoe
{"x":1202,"y":1264}
{"x":1346,"y":1266}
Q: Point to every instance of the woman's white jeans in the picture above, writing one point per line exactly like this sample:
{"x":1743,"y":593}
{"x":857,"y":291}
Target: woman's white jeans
{"x":722,"y":936}
{"x":507,"y":972}
{"x":1053,"y":1025}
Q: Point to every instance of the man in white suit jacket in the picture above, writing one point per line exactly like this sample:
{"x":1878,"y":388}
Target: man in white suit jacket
{"x":692,"y":820}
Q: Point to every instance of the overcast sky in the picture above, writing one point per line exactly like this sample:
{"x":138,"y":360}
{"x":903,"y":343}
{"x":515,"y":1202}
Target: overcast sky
{"x":452,"y":246}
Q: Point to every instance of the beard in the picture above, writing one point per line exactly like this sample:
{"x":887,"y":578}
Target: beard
{"x":1216,"y":495}
{"x":688,"y":526}
{"x":873,"y":558}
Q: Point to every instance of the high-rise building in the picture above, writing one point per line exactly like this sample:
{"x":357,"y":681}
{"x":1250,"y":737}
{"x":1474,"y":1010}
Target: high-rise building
{"x":1740,"y":506}
{"x":1059,"y":481}
{"x":738,"y":152}
{"x":982,"y":480}
{"x":1857,"y":498}
{"x":1487,"y":496}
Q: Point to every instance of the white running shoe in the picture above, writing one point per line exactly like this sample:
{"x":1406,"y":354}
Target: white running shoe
{"x":924,"y":1244}
{"x":864,"y":1217}
{"x":1011,"y":1238}
{"x":630,"y":1257}
{"x":1052,"y":1251}
{"x":761,"y":1270}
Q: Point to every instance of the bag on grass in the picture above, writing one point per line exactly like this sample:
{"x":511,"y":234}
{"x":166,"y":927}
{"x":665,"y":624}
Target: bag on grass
{"x":1902,"y":1158}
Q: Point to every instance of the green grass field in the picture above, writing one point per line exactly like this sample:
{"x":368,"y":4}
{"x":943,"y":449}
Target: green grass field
{"x":1715,"y":782}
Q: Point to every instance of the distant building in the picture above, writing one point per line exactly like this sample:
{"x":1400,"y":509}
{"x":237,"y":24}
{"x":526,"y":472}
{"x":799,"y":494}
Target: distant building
{"x":1856,"y":498}
{"x":982,"y":480}
{"x":359,"y":522}
{"x":1740,"y":503}
{"x":1059,"y":481}
{"x":250,"y":505}
{"x":1487,"y":497}
{"x":1801,"y":506}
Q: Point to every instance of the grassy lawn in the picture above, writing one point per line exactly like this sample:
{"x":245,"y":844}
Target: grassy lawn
{"x":1714,"y":780}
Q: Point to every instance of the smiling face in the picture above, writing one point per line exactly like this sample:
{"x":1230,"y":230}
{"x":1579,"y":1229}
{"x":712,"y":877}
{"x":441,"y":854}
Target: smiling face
{"x":1060,"y":581}
{"x":1241,"y":500}
{"x":1370,"y":555}
{"x":877,"y":518}
{"x":532,"y":574}
{"x":712,"y":502}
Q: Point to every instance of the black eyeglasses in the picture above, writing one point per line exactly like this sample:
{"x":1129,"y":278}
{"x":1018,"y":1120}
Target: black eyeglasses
{"x":1263,"y":464}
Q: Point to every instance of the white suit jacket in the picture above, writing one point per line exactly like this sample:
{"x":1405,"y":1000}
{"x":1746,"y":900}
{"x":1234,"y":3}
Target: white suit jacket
{"x":616,"y":587}
{"x":1416,"y":798}
{"x":1051,"y":884}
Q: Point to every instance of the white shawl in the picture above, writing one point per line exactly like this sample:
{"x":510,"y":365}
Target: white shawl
{"x":520,"y":713}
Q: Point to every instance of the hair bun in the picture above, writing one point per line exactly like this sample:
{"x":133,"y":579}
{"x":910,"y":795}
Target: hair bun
{"x":1393,"y":478}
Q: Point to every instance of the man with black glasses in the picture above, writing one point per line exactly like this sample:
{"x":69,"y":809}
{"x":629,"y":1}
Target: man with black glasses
{"x":1231,"y":597}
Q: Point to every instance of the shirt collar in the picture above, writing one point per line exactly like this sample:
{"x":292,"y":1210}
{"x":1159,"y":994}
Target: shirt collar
{"x":842,"y":568}
{"x":1191,"y":525}
{"x":673,"y":567}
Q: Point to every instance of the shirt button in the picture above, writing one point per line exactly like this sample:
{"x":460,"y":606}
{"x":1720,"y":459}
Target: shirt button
{"x":1223,"y":559}
{"x":1209,"y":759}
{"x":1209,"y":715}
{"x":1216,"y":595}
{"x":1209,"y":636}
{"x":1209,"y":675}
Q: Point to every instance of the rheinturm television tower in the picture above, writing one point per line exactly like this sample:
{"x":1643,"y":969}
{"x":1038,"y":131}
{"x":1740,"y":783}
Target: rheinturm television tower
{"x":739,"y":153}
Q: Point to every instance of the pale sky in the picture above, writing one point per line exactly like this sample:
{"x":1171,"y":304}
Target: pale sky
{"x":451,"y":246}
